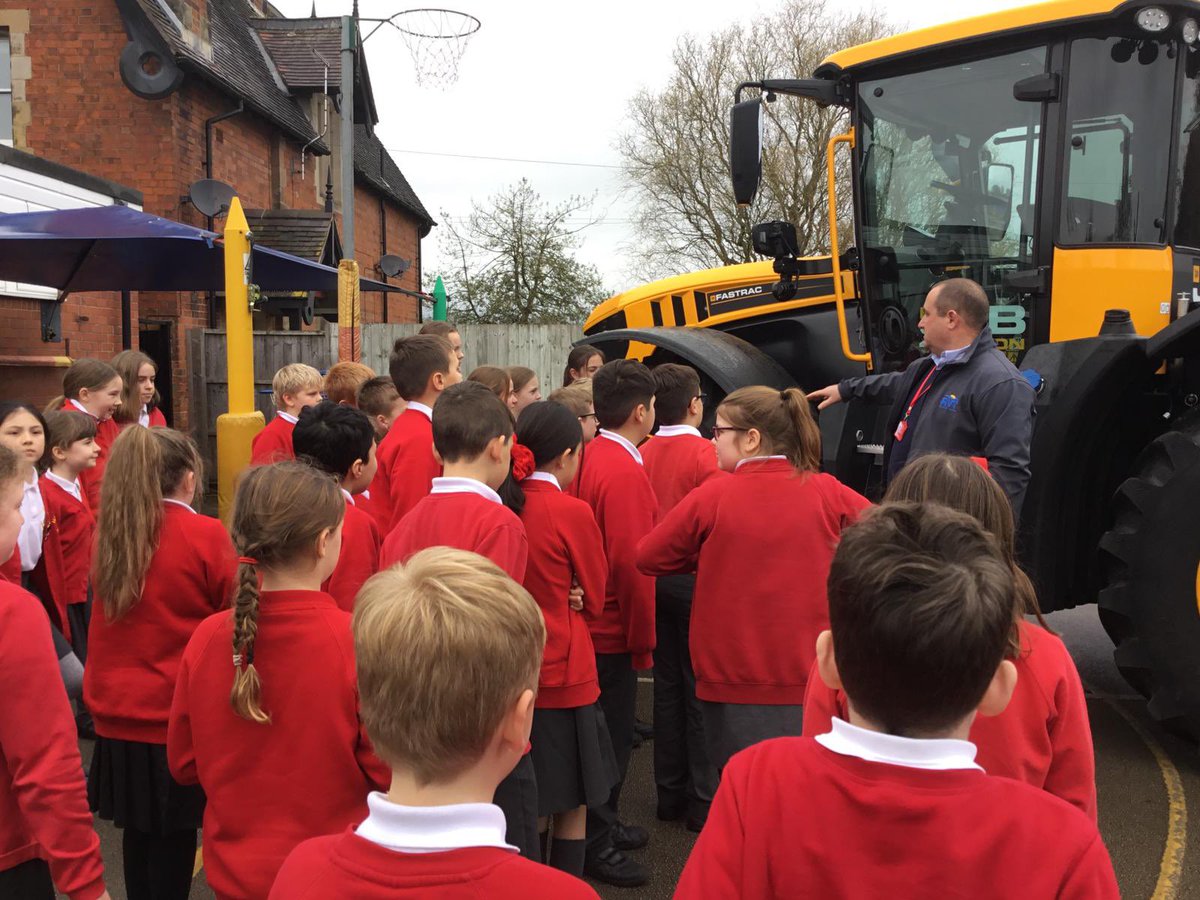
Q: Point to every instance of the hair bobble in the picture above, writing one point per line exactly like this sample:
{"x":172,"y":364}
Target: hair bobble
{"x":247,"y":561}
{"x":248,"y":659}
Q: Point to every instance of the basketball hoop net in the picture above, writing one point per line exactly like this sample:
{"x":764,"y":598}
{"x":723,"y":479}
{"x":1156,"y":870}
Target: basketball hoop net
{"x":437,"y":39}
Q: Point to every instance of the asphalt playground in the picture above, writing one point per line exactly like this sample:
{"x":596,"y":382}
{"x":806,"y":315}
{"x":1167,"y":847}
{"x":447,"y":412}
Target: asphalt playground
{"x":1148,"y":783}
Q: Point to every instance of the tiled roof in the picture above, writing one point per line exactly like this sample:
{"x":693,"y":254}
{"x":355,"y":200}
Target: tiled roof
{"x":238,"y":65}
{"x":375,"y":166}
{"x":302,"y":232}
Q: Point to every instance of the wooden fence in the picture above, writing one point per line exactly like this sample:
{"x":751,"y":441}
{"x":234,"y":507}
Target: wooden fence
{"x":543,"y":348}
{"x":209,"y":382}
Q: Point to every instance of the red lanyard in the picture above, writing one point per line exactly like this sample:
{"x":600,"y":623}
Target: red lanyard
{"x":922,"y":390}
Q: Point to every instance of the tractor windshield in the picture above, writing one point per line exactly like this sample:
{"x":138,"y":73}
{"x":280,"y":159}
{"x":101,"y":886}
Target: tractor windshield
{"x":948,"y":168}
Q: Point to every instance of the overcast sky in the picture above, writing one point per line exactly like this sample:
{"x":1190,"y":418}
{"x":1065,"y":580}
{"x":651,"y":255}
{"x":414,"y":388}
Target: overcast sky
{"x":548,"y":83}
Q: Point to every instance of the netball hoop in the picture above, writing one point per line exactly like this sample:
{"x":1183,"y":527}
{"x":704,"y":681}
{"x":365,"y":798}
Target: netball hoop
{"x":436,"y":39}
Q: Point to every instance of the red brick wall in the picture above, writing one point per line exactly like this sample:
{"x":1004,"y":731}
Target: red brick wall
{"x":402,"y":240}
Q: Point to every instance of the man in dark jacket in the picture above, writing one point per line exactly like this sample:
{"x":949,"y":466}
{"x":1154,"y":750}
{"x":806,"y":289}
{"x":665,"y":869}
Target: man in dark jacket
{"x":964,"y":398}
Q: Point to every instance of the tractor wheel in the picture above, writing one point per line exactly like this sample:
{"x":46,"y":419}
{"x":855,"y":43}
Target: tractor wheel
{"x":1149,"y":566}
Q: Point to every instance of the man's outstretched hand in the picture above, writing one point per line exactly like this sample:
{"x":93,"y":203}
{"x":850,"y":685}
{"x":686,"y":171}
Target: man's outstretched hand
{"x":826,"y":396}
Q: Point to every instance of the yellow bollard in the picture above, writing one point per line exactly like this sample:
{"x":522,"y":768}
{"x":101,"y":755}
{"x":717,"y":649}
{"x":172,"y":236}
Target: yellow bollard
{"x":237,"y":427}
{"x":349,"y":312}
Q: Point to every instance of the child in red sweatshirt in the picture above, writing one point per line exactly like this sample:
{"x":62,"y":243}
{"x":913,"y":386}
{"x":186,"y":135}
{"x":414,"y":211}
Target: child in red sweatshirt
{"x":422,"y":366}
{"x":451,"y":714}
{"x":293,"y":388}
{"x":572,"y":750}
{"x":339,"y":439}
{"x":613,"y":483}
{"x":266,"y":698}
{"x":766,"y":533}
{"x":94,"y":387}
{"x":160,"y":569}
{"x":139,"y":396}
{"x":1043,"y":737}
{"x":678,"y":460}
{"x":46,"y":836}
{"x":892,"y":803}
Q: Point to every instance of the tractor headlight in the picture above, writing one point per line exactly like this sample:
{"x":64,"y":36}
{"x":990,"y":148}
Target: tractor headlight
{"x":1189,"y":31}
{"x":1153,"y":19}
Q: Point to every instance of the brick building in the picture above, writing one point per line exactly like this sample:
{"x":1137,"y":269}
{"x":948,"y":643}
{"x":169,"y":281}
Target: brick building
{"x":226,"y":89}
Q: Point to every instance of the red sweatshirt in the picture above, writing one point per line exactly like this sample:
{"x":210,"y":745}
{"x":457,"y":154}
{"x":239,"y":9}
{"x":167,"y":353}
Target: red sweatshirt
{"x":676,"y":463}
{"x":792,"y":818}
{"x":760,"y":543}
{"x":11,"y":570}
{"x":132,"y":662}
{"x":614,"y":484}
{"x":43,"y":799}
{"x":346,"y":865}
{"x":269,"y":787}
{"x":462,"y":519}
{"x":65,"y":566}
{"x":359,"y":559}
{"x":91,"y":479}
{"x":406,"y":468}
{"x":565,"y":544}
{"x":1042,"y":738}
{"x":273,"y":443}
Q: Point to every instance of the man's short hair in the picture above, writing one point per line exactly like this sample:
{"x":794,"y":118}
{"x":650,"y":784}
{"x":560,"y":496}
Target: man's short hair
{"x":617,"y":389}
{"x":415,"y":359}
{"x":466,"y":418}
{"x":439,"y":328}
{"x":331,"y":436}
{"x":66,"y":426}
{"x":965,"y":297}
{"x":292,"y":379}
{"x":377,"y":396}
{"x":444,"y":647}
{"x":921,"y":609}
{"x":675,"y":387}
{"x":576,"y":397}
{"x":343,"y":380}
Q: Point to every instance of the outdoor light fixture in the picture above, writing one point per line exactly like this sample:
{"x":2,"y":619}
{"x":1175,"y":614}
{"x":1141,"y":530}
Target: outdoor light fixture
{"x":1153,"y":19}
{"x":1189,"y":31}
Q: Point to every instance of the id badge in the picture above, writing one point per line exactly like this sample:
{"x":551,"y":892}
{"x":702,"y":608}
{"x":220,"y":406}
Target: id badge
{"x":901,"y":429}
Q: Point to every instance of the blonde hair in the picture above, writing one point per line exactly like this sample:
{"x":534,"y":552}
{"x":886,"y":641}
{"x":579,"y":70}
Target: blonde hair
{"x":577,"y":396}
{"x":145,"y":465}
{"x":343,"y":380}
{"x":444,"y":645}
{"x":521,"y":376}
{"x":12,"y":468}
{"x":292,"y":379}
{"x":783,"y":420}
{"x":279,"y":511}
{"x":127,"y":363}
{"x":89,"y":374}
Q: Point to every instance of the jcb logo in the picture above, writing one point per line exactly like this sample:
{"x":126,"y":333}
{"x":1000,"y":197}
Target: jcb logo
{"x":1008,"y":320}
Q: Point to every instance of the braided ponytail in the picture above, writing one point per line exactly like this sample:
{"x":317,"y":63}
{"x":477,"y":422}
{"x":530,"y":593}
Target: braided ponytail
{"x":278,"y":513}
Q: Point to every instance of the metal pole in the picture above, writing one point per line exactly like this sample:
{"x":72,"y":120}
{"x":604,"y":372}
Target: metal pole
{"x":237,"y":427}
{"x":349,"y":45}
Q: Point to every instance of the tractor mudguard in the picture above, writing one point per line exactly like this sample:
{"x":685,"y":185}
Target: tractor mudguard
{"x":1094,"y":413}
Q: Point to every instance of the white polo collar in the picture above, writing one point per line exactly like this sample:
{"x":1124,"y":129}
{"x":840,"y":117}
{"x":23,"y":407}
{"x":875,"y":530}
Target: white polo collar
{"x":29,"y":538}
{"x":71,"y":487}
{"x":144,"y":417}
{"x":676,"y":431}
{"x":630,"y":449}
{"x":445,"y":485}
{"x":349,"y":497}
{"x":83,"y":409}
{"x":287,"y":417}
{"x":913,"y":753}
{"x":426,"y":411}
{"x":181,"y":503}
{"x":752,"y":459}
{"x":546,"y":477}
{"x":432,"y":829}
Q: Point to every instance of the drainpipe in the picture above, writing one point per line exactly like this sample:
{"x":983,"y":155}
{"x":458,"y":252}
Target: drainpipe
{"x":208,"y":173}
{"x":383,"y":251}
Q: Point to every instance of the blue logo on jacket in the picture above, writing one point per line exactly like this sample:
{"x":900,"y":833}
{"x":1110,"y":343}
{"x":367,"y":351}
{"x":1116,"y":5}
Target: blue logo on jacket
{"x":950,"y":402}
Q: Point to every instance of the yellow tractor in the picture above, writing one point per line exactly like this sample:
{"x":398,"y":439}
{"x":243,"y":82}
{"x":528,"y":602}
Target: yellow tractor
{"x":1051,"y":153}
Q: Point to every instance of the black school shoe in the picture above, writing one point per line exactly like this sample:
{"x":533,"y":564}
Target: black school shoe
{"x":615,"y":868}
{"x":629,"y":837}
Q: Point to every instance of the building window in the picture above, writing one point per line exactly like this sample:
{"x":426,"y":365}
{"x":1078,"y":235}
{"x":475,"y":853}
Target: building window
{"x":6,"y":106}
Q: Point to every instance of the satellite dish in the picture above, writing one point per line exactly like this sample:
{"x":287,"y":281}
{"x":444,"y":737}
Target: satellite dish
{"x":211,"y":197}
{"x":392,"y":265}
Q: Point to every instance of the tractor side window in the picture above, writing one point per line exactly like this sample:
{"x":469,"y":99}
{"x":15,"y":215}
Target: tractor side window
{"x":1119,"y":128}
{"x":1187,"y":178}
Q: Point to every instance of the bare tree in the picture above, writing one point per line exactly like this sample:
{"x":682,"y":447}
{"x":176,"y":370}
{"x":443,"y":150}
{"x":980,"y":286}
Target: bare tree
{"x":676,"y":150}
{"x":513,"y":260}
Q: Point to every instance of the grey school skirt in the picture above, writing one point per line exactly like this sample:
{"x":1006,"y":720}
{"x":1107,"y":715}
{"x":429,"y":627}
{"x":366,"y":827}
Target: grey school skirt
{"x":731,"y":727}
{"x":573,"y":757}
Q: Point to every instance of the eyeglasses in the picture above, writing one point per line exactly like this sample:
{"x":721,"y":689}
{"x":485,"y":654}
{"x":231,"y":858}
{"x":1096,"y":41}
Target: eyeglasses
{"x":719,"y":430}
{"x":587,"y":416}
{"x":702,"y":397}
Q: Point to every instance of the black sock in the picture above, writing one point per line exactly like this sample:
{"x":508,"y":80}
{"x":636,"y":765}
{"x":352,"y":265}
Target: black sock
{"x":544,"y":840}
{"x":568,"y":856}
{"x":158,"y":866}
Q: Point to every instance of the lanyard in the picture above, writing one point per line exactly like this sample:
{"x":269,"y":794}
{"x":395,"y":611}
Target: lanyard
{"x":922,"y":390}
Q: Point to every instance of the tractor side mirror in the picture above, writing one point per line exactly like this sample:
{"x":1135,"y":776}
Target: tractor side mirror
{"x":998,"y":199}
{"x":745,"y":149}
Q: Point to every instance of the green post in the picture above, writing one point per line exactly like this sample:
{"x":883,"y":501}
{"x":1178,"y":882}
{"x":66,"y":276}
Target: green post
{"x":439,"y":300}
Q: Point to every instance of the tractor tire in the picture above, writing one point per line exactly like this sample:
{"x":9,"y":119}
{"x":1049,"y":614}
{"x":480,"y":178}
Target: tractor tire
{"x":1149,"y":560}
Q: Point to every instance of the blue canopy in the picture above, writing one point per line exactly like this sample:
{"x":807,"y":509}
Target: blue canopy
{"x":115,"y":248}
